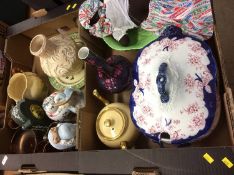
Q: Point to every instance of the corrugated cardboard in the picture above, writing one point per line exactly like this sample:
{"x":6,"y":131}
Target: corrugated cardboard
{"x":225,"y":41}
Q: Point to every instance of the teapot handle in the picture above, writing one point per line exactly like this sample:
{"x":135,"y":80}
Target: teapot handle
{"x":161,"y":81}
{"x":98,"y":96}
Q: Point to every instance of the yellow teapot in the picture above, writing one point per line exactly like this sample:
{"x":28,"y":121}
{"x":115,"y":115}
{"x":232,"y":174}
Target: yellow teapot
{"x":114,"y":125}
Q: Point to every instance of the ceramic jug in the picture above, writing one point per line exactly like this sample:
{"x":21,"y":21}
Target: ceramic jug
{"x":62,"y":136}
{"x":26,"y":85}
{"x":58,"y":55}
{"x":59,"y":104}
{"x":114,"y":125}
{"x":114,"y":74}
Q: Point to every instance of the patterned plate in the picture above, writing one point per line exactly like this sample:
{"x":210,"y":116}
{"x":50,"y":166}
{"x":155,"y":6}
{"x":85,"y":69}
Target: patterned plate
{"x":76,"y":82}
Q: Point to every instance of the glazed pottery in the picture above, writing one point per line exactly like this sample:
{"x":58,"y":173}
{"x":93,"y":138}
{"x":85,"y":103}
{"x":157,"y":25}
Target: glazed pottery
{"x":114,"y":126}
{"x":114,"y":74}
{"x":59,"y":104}
{"x":58,"y":55}
{"x":29,"y":114}
{"x":63,"y":136}
{"x":174,"y":99}
{"x":76,"y":81}
{"x":26,"y":85}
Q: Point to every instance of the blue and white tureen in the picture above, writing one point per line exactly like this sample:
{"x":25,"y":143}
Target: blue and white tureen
{"x":174,"y":99}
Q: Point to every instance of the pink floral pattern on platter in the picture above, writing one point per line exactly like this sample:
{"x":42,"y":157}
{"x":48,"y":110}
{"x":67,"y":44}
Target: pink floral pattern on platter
{"x":196,"y":48}
{"x":170,"y":44}
{"x":197,"y":122}
{"x":140,"y":119}
{"x":191,"y":109}
{"x":195,"y":60}
{"x":189,"y":82}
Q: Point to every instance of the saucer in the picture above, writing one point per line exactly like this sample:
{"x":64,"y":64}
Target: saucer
{"x":76,"y":82}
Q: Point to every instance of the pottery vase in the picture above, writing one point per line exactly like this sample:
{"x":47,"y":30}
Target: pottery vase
{"x":58,"y":55}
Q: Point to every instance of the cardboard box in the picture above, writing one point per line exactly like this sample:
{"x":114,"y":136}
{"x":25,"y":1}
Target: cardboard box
{"x":92,"y":156}
{"x":4,"y":69}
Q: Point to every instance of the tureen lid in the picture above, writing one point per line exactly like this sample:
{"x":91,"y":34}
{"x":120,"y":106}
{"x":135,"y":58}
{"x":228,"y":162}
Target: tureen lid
{"x":111,"y":123}
{"x":174,"y":88}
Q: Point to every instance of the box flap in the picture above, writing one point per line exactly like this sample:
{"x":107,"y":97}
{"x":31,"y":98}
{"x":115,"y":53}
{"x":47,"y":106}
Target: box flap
{"x":225,"y":26}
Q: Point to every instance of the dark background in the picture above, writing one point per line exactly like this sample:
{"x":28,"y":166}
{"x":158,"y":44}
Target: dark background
{"x":12,"y":11}
{"x":15,"y":11}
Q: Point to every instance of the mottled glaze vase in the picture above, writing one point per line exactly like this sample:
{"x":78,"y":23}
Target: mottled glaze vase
{"x":114,"y":74}
{"x":58,"y":55}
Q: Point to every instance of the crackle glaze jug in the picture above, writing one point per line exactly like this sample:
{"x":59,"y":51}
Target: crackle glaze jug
{"x":58,"y":55}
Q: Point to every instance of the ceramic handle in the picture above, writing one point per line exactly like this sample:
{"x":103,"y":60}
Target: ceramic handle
{"x":161,"y":81}
{"x":98,"y":96}
{"x":172,"y":31}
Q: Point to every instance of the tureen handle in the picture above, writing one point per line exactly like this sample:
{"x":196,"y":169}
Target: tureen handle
{"x":161,"y":81}
{"x":172,"y":31}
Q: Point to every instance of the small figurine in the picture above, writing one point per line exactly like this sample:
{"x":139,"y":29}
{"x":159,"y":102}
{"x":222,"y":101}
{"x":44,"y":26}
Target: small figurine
{"x":59,"y":104}
{"x":63,"y":136}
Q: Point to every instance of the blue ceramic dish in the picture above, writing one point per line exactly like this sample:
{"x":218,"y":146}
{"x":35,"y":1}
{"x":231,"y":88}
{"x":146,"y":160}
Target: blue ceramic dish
{"x":174,"y":99}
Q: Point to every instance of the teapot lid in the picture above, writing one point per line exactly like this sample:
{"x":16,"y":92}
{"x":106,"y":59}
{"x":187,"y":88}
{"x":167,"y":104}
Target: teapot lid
{"x":111,"y":123}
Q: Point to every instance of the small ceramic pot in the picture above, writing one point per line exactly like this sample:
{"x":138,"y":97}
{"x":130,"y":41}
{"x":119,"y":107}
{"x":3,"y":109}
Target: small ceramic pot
{"x":114,"y":125}
{"x":26,"y":85}
{"x":59,"y":104}
{"x":25,"y":141}
{"x":29,"y":114}
{"x":62,"y":136}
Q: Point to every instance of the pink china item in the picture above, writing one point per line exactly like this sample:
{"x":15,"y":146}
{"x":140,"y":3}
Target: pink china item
{"x":59,"y":104}
{"x":175,"y":89}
